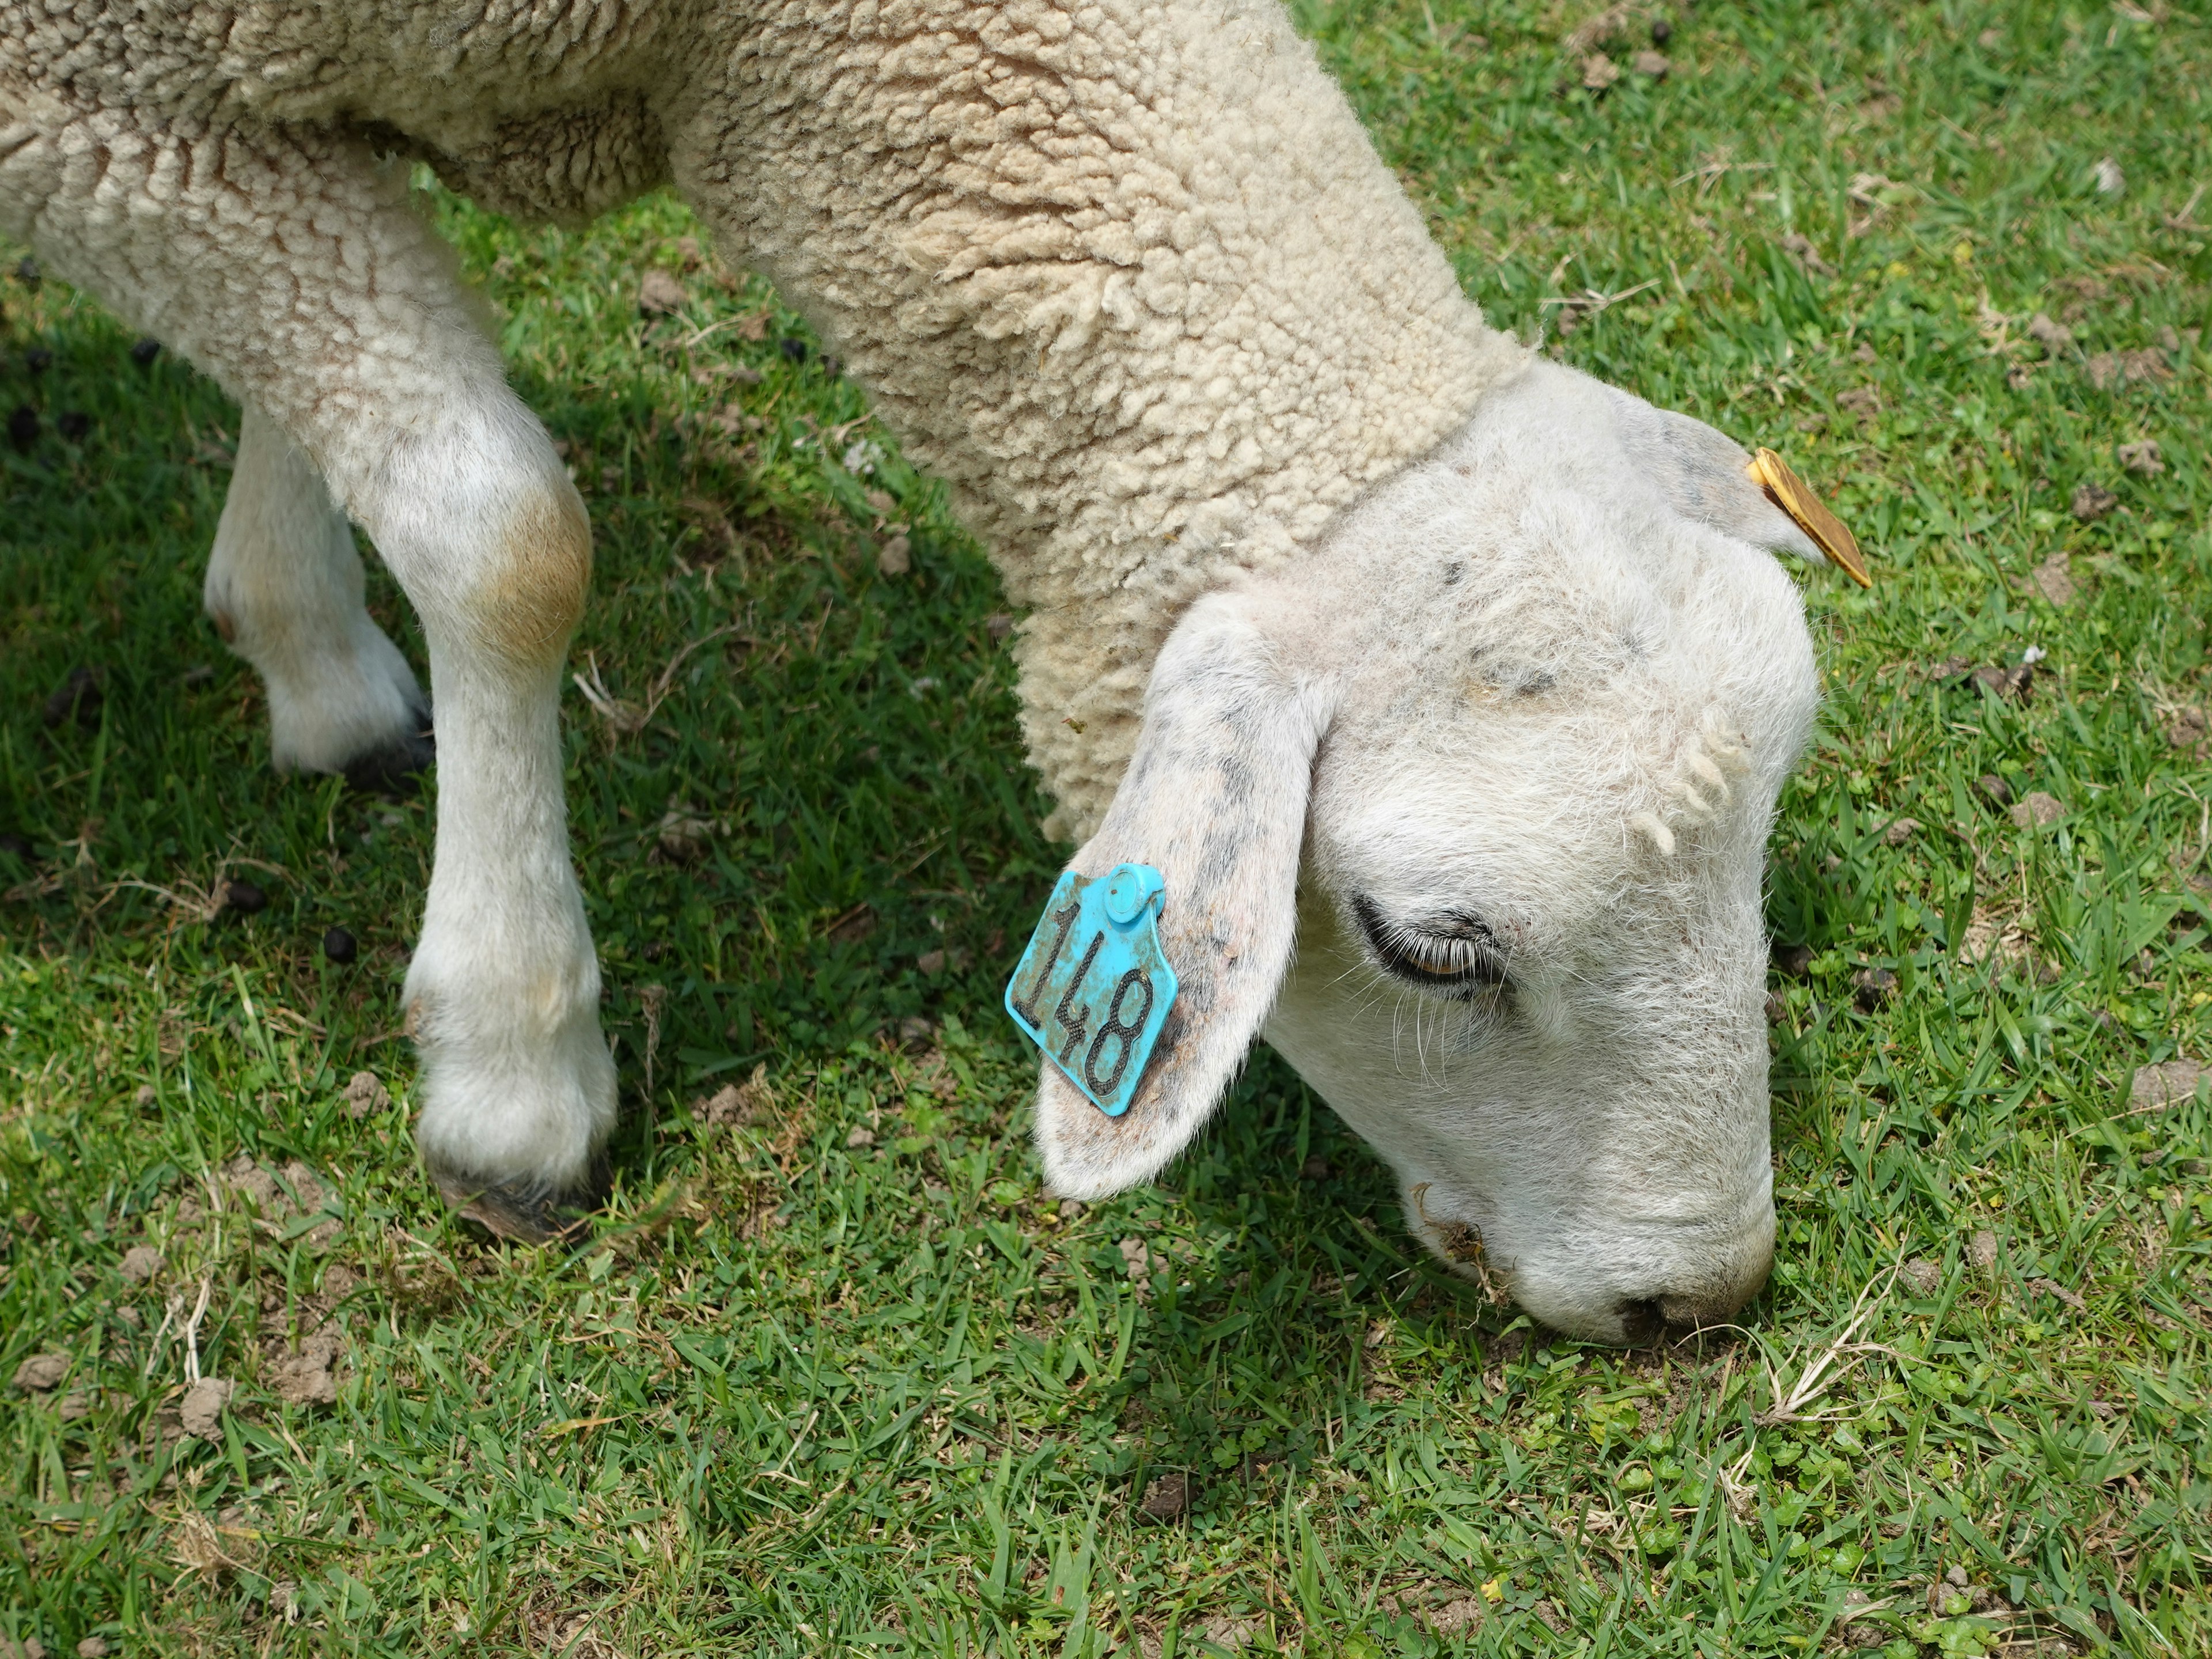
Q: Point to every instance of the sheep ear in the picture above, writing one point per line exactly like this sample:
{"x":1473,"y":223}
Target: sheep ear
{"x":1215,"y":799}
{"x":1754,"y":497}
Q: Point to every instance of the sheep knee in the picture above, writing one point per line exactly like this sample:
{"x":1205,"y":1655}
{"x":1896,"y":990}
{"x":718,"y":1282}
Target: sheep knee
{"x":529,"y":599}
{"x":487,"y":534}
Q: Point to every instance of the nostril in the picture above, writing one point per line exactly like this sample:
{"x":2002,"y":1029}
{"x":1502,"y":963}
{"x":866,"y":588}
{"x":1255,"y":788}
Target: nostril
{"x":1642,"y":1322}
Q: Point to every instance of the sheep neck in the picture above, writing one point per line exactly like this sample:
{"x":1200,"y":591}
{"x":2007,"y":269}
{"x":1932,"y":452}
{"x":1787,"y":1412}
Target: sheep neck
{"x":1129,"y":277}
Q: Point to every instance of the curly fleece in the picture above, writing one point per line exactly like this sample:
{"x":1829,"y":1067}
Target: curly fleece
{"x":1129,"y":276}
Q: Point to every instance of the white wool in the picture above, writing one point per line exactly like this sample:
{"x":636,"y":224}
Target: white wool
{"x":1129,"y":276}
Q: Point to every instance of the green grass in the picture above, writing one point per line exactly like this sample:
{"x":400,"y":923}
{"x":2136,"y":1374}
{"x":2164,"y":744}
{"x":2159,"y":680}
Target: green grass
{"x":802,"y":1396}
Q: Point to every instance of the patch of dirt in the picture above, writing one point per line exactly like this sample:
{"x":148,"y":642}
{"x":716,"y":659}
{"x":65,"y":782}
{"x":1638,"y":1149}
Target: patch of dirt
{"x":276,"y":1202}
{"x":2054,"y":580}
{"x":660,"y":295}
{"x":1992,"y":939}
{"x":42,"y":1372}
{"x":1167,"y":1498}
{"x":1440,"y":1607}
{"x":2143,"y":459}
{"x":309,"y":1377}
{"x":2189,"y":730}
{"x":1234,"y":1631}
{"x":2170,"y":1083}
{"x":1601,"y":29}
{"x":1140,"y":1262}
{"x":200,"y":1412}
{"x":559,"y":1631}
{"x":364,"y":1095}
{"x":2111,"y":370}
{"x":210,"y":1549}
{"x":2091,"y":500}
{"x":2037,"y":809}
{"x":1462,"y":1612}
{"x":738,"y":1104}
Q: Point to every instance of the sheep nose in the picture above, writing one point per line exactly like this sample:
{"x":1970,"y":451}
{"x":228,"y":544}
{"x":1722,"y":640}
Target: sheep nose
{"x":1642,"y":1322}
{"x":1645,"y":1319}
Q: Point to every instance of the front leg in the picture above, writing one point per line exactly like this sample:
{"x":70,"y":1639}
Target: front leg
{"x":478,"y":520}
{"x":284,"y":589}
{"x":291,"y":267}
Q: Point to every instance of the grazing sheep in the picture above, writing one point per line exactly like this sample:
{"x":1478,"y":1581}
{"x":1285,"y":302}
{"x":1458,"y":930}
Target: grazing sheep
{"x":1369,"y":630}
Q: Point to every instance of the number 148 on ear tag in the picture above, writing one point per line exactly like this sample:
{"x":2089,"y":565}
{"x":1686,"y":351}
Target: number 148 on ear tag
{"x":1093,"y":989}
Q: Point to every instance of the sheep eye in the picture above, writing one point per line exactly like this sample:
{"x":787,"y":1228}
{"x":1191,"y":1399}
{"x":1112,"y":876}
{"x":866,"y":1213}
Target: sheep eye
{"x":1453,"y":953}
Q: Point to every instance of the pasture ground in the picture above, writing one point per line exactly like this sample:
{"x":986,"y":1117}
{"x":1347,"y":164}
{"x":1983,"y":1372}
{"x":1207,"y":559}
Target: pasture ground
{"x":830,"y":1376}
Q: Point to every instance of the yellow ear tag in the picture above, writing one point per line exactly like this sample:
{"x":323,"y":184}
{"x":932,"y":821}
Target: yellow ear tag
{"x":1790,"y":493}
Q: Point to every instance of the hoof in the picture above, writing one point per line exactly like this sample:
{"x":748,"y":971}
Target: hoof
{"x":391,"y":770}
{"x":527,"y":1215}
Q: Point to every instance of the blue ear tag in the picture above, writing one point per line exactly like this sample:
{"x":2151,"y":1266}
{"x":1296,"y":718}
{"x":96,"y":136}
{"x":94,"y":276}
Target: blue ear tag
{"x":1093,"y":989}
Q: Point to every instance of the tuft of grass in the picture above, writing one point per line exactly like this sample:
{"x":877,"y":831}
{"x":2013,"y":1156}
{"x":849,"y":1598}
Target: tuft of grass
{"x":808,"y":1389}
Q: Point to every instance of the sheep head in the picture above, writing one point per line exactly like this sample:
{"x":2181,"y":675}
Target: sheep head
{"x":1465,"y":811}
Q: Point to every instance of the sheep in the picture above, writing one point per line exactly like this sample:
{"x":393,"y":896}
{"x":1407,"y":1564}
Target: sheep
{"x":1375,"y":633}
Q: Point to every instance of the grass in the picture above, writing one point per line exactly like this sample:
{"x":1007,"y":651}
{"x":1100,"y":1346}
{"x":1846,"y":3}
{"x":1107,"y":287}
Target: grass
{"x":806,"y":1393}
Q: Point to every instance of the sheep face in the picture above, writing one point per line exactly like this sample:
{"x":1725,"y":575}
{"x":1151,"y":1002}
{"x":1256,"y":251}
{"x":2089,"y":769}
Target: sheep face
{"x":1468,"y":810}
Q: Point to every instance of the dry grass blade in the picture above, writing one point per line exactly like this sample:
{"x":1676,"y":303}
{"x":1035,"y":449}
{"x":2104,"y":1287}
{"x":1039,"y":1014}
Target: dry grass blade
{"x":624,"y":719}
{"x":1828,"y":1369}
{"x":199,"y":1548}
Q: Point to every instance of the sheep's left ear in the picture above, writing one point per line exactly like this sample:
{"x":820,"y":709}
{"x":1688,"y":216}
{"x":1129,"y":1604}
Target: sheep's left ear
{"x":1215,"y":799}
{"x":1755,"y":497}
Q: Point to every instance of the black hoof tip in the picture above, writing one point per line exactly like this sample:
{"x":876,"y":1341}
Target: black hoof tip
{"x":392,"y":770}
{"x":526,"y":1215}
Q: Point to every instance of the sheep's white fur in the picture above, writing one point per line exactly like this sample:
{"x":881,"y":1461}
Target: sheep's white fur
{"x":1129,"y":277}
{"x":1562,"y":634}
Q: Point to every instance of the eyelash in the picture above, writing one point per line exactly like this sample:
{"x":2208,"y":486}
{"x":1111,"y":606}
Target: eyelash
{"x":1445,"y":959}
{"x":1431,"y":960}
